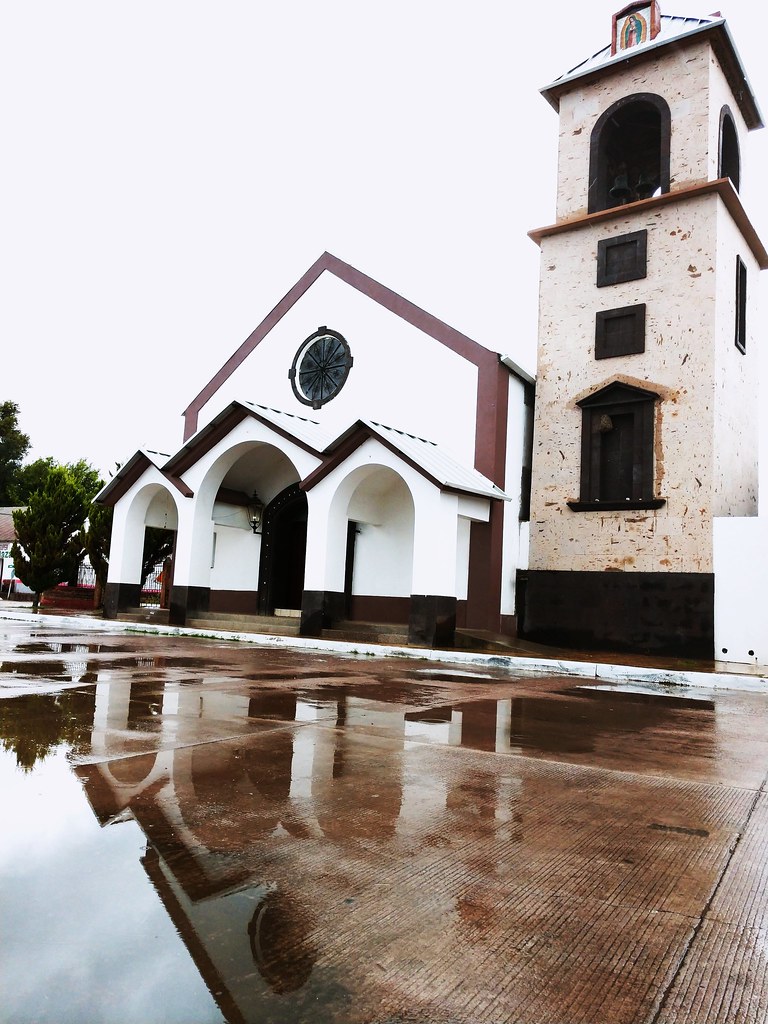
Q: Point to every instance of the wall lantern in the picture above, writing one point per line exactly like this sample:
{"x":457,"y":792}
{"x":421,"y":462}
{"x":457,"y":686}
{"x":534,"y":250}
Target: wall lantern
{"x":255,"y":512}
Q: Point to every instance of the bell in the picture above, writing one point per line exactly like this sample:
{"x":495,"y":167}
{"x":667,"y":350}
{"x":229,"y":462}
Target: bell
{"x":646,"y":186}
{"x":621,"y":191}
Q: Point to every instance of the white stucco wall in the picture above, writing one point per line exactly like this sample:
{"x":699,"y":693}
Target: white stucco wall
{"x":149,"y":502}
{"x":437,"y":529}
{"x":511,"y":559}
{"x":236,"y":561}
{"x":680,"y":291}
{"x":741,"y":593}
{"x":383,"y":507}
{"x":400,"y":376}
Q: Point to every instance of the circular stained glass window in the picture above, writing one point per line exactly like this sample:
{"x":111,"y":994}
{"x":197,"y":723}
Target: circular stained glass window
{"x":320,"y":367}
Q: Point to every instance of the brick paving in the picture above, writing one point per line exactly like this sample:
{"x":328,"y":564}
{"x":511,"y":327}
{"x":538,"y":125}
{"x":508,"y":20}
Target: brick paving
{"x":354,"y":840}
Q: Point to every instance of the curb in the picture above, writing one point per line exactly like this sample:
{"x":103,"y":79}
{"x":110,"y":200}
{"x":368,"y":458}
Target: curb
{"x":515,"y":664}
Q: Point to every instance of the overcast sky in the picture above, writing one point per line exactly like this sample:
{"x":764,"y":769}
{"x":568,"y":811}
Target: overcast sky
{"x":171,"y":168}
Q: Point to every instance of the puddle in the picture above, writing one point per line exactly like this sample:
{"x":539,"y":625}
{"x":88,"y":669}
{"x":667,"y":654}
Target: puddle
{"x":86,"y":935}
{"x":299,"y":852}
{"x":641,"y":695}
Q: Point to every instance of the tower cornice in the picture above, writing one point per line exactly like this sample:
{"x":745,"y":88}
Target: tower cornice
{"x":721,"y":187}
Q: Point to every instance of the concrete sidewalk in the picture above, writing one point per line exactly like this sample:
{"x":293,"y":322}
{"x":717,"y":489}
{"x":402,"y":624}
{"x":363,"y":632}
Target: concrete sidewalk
{"x":641,"y":669}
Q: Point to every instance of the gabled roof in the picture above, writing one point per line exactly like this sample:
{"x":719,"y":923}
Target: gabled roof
{"x":7,"y":529}
{"x":412,"y":314}
{"x":133,"y":469}
{"x":306,"y":433}
{"x":425,"y":456}
{"x":674,"y":31}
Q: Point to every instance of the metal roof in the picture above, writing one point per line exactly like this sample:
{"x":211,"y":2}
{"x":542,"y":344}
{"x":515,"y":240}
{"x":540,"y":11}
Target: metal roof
{"x":308,"y":431}
{"x":436,"y":462}
{"x":673,"y":28}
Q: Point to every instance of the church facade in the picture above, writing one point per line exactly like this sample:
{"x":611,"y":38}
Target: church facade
{"x":350,"y":461}
{"x":324,"y":474}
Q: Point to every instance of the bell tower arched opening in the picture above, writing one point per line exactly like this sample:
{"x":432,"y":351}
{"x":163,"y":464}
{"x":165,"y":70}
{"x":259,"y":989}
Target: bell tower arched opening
{"x":629,"y":152}
{"x":729,"y":160}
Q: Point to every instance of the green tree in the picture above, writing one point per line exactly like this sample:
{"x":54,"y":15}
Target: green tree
{"x":14,"y":445}
{"x":96,"y":538}
{"x":33,"y":477}
{"x":49,"y":543}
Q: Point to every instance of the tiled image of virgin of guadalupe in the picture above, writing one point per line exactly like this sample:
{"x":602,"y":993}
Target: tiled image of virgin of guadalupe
{"x":633,"y":32}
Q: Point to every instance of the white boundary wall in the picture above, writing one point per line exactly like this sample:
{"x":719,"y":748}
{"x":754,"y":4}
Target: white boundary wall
{"x":741,"y":589}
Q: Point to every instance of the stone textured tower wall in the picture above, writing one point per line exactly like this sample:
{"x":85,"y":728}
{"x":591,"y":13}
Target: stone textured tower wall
{"x":680,"y":293}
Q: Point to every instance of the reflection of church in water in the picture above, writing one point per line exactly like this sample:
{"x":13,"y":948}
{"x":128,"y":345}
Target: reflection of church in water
{"x":265,"y":847}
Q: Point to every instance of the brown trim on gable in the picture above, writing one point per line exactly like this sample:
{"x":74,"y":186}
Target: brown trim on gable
{"x":721,"y":187}
{"x":218,"y":429}
{"x":412,"y":314}
{"x":127,"y":476}
{"x":359,"y":434}
{"x":209,"y":436}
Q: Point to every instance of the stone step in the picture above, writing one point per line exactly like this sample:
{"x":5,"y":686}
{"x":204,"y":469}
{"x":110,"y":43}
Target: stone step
{"x":144,"y":615}
{"x":241,"y":623}
{"x":394,"y":633}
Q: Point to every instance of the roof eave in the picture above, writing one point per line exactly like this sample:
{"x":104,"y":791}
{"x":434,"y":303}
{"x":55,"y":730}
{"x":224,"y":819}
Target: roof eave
{"x":718,"y":29}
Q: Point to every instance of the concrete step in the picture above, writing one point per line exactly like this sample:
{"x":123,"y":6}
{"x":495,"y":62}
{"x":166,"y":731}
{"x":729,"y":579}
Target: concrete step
{"x":239,"y":623}
{"x":144,"y":615}
{"x":394,"y":633}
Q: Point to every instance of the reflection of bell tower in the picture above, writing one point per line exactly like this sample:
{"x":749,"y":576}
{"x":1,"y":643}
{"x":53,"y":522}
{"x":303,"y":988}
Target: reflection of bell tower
{"x":646,"y":395}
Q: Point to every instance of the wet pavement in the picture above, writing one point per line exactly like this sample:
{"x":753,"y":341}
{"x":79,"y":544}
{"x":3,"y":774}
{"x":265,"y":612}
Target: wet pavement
{"x":199,"y":831}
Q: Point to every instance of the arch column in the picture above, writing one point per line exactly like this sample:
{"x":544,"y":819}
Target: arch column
{"x":322,"y":601}
{"x":191,"y":590}
{"x":432,"y":621}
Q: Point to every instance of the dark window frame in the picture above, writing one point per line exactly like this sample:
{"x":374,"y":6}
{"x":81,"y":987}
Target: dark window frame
{"x":740,"y":327}
{"x":607,"y":345}
{"x":598,"y":195}
{"x":633,"y":269}
{"x":616,"y":400}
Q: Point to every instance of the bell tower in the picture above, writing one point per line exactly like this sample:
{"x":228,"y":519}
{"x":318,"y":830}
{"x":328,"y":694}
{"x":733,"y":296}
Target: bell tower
{"x":647,"y":380}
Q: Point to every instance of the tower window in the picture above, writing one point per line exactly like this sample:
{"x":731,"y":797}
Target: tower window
{"x":617,"y":450}
{"x":741,"y":305}
{"x":620,"y":332}
{"x":622,"y":258}
{"x":629,"y":152}
{"x":729,"y":161}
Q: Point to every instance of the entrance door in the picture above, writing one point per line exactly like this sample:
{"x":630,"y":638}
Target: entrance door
{"x":349,"y":568}
{"x":283,"y":551}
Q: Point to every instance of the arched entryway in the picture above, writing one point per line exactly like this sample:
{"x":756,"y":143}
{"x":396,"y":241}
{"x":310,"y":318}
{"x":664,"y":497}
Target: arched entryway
{"x":283,"y":552}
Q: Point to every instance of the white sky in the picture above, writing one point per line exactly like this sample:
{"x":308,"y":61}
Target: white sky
{"x":171,"y":168}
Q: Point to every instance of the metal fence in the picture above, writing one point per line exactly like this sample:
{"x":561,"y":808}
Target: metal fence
{"x":150,"y":592}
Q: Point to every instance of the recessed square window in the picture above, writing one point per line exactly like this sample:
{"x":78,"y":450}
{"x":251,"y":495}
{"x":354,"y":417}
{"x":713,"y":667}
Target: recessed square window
{"x":620,"y":332}
{"x":623,"y":258}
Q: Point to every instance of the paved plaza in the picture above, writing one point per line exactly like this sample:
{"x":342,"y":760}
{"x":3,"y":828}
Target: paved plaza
{"x":354,"y":839}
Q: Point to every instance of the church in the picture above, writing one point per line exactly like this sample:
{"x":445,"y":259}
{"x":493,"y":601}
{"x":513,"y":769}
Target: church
{"x":610,"y":503}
